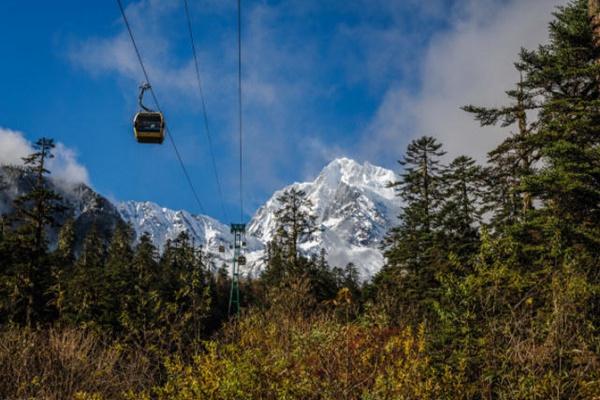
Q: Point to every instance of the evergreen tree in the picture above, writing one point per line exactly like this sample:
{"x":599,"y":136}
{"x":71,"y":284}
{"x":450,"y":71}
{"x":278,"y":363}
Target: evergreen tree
{"x":86,"y":295}
{"x":5,"y":261}
{"x":119,"y":273}
{"x":275,"y":269}
{"x":535,"y":282}
{"x":461,"y":208}
{"x":566,"y":74}
{"x":185,"y":292}
{"x":3,"y":187}
{"x":34,"y":212}
{"x":141,"y":303}
{"x":295,"y":222}
{"x":563,"y":76}
{"x":219,"y":285}
{"x":513,"y":160}
{"x":323,"y":280}
{"x":351,"y":280}
{"x":37,"y":209}
{"x":413,"y":255}
{"x":62,"y":265}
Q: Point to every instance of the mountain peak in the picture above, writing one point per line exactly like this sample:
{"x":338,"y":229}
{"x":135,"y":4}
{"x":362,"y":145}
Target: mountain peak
{"x":354,"y":208}
{"x":344,"y":164}
{"x":352,"y":203}
{"x":350,"y":172}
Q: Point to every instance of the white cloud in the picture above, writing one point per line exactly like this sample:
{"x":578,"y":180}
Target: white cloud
{"x":472,"y":63}
{"x":147,"y":18}
{"x":64,"y":167}
{"x":13,"y":146}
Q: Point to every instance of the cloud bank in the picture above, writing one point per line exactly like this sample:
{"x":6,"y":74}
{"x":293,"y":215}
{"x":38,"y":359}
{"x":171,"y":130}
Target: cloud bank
{"x":65,"y":168}
{"x":471,"y":63}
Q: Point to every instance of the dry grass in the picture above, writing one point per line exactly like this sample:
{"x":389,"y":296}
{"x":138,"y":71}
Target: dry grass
{"x":60,"y":363}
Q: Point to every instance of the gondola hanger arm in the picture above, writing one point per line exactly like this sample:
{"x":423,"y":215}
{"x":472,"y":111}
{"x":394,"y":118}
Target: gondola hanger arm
{"x":143,"y":87}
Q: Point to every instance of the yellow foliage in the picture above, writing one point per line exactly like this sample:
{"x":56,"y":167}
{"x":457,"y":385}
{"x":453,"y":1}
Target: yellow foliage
{"x":307,"y":358}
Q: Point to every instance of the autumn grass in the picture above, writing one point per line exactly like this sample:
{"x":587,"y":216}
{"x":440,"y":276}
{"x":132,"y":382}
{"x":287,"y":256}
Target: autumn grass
{"x":60,"y":363}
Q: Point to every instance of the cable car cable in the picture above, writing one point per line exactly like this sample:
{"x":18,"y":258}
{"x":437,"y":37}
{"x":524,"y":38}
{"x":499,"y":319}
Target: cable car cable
{"x":239,"y":10}
{"x":204,"y":112}
{"x":169,"y":134}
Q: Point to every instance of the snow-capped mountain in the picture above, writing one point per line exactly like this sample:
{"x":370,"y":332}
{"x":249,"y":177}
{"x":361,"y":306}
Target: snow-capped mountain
{"x":352,"y":203}
{"x":163,"y":224}
{"x":354,"y":208}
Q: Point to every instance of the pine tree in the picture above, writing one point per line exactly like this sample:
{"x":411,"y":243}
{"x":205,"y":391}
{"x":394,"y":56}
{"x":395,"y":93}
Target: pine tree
{"x":351,"y":280}
{"x":566,"y":74}
{"x":63,"y":264}
{"x":513,"y":160}
{"x":220,"y":285}
{"x":461,"y":211}
{"x":34,"y":212}
{"x":184,"y":291}
{"x":6,"y":263}
{"x":37,"y":209}
{"x":119,"y":273}
{"x":275,"y":269}
{"x":295,"y":222}
{"x":322,"y":278}
{"x":556,"y":158}
{"x":3,"y":187}
{"x":412,"y":253}
{"x":141,"y":303}
{"x":87,"y":291}
{"x":535,"y":280}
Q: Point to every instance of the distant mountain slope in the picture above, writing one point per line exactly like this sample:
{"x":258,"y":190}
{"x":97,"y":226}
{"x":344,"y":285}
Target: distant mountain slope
{"x":86,"y":207}
{"x":352,"y":203}
{"x":163,"y":224}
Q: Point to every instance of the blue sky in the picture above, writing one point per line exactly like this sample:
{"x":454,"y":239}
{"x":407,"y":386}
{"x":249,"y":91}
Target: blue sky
{"x":321,"y":79}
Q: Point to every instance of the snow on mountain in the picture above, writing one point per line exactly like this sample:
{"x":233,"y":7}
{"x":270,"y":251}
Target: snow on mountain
{"x":354,"y":210}
{"x":352,"y":203}
{"x":163,"y":224}
{"x":353,"y":206}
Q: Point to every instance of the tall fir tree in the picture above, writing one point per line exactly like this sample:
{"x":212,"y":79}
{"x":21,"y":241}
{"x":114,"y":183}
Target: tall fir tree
{"x":514,"y":159}
{"x":461,"y":210}
{"x":119,"y":273}
{"x":87,"y":292}
{"x":185,"y":292}
{"x":33,"y":213}
{"x":535,"y":283}
{"x":556,"y":158}
{"x":63,"y":261}
{"x":140,"y":305}
{"x":413,"y":254}
{"x":351,"y":280}
{"x":565,"y":73}
{"x":295,"y":222}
